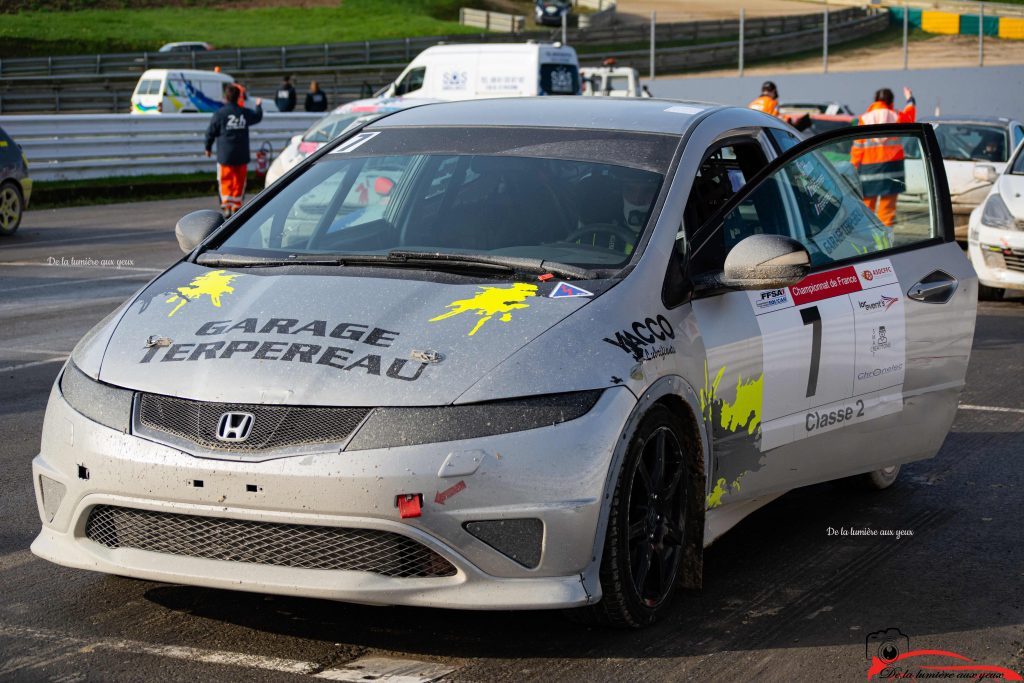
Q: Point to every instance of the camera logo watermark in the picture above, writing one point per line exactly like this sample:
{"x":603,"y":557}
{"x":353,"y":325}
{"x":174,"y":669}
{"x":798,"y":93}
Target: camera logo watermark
{"x":891,"y":658}
{"x":76,"y":262}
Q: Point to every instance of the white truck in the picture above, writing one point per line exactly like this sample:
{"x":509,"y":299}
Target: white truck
{"x":473,"y":71}
{"x":612,"y":81}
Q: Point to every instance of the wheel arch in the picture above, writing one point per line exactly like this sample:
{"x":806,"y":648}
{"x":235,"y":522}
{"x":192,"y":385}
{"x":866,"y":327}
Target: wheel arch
{"x":675,"y":393}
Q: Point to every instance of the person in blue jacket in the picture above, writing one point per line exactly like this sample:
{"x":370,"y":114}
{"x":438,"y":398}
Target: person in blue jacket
{"x":229,"y":128}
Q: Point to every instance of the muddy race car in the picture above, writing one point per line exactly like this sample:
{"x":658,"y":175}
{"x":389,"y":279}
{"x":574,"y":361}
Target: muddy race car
{"x":509,"y":354}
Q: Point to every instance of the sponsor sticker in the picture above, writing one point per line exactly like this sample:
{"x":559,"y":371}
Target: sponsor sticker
{"x":355,"y":141}
{"x":563,"y":290}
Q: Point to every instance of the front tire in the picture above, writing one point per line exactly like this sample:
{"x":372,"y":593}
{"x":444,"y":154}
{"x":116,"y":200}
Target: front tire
{"x":986,"y":293}
{"x":645,"y":542}
{"x":12,"y":206}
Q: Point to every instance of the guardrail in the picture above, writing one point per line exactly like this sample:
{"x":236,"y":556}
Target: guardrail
{"x":68,"y":147}
{"x":111,"y":92}
{"x":492,"y":21}
{"x":726,"y":53}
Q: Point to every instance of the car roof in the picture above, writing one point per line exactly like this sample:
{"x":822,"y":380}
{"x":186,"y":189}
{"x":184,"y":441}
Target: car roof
{"x":192,"y":73}
{"x":465,"y":48}
{"x":646,"y":115}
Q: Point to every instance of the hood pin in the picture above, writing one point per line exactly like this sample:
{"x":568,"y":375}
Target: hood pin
{"x":428,"y":356}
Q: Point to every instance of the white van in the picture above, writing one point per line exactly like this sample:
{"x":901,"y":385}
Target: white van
{"x":473,"y":70}
{"x":179,"y":91}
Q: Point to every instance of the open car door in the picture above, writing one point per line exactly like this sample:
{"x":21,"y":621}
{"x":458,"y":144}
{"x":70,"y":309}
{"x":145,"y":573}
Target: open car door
{"x":860,"y":365}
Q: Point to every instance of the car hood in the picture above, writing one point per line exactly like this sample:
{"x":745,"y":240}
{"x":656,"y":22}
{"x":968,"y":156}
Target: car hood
{"x":960,"y":175}
{"x":1011,"y":189}
{"x":262,"y":336}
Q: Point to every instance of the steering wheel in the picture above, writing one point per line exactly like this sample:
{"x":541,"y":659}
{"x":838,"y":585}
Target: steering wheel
{"x":627,"y":236}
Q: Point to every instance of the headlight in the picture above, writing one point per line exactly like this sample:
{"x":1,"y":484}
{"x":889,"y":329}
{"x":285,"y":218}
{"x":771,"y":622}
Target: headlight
{"x":99,"y":402}
{"x":993,"y":257}
{"x":996,"y":215}
{"x":393,"y":427}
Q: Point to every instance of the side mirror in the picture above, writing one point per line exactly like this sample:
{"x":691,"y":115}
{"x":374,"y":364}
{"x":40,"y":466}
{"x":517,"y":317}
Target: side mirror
{"x":195,"y":227}
{"x":985,"y":173}
{"x":766,"y":262}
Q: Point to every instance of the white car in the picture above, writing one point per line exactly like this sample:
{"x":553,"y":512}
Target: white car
{"x":187,"y":46}
{"x":334,"y":124}
{"x":974,"y":152}
{"x":996,"y":242}
{"x":522,"y":353}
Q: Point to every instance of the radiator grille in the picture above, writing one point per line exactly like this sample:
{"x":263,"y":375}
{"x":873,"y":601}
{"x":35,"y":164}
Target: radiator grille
{"x":283,"y":545}
{"x":1014,"y":260}
{"x":274,"y":426}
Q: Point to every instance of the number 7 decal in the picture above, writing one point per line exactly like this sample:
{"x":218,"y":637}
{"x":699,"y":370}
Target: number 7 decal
{"x":811,"y":316}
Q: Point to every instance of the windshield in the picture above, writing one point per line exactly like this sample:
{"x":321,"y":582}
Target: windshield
{"x":1018,"y":162}
{"x":559,"y":79}
{"x":497,"y":192}
{"x":972,"y":142}
{"x":330,"y":127}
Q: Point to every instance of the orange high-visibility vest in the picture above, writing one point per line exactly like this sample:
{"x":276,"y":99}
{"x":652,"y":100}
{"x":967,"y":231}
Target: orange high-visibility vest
{"x":769,"y":105}
{"x":879,"y":161}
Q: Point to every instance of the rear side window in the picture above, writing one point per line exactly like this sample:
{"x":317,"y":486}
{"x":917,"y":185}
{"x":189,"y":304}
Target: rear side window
{"x":559,"y":79}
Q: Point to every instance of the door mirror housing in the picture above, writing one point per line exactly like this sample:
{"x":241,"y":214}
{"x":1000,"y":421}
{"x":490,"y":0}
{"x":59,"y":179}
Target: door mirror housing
{"x":766,"y":262}
{"x":195,"y":227}
{"x":985,"y":173}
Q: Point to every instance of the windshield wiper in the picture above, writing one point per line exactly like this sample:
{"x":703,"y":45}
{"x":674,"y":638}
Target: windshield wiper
{"x":398,"y":259}
{"x":213,"y":258}
{"x":518,"y":263}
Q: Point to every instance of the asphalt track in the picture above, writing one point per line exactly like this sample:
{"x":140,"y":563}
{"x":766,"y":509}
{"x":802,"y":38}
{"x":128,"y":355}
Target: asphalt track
{"x":782,"y":600}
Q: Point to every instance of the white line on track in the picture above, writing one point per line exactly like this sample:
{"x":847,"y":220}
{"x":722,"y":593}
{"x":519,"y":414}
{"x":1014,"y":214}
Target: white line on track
{"x":391,"y":670}
{"x":992,"y":409}
{"x":38,"y":352}
{"x":22,"y":366}
{"x":60,"y":283}
{"x":44,"y":264}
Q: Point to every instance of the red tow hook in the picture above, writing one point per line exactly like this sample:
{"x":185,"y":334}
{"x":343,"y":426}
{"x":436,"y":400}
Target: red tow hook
{"x":409,"y":505}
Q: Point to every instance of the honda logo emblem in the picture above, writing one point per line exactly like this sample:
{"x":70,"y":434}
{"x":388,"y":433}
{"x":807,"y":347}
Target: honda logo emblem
{"x":235,"y":427}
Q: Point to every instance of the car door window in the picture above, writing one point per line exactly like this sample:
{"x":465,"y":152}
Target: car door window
{"x":412,"y":81}
{"x":847,"y":198}
{"x":722,"y":173}
{"x":1018,"y":135}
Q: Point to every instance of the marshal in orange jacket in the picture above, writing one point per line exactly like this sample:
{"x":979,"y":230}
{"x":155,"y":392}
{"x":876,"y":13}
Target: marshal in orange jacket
{"x":880,"y":160}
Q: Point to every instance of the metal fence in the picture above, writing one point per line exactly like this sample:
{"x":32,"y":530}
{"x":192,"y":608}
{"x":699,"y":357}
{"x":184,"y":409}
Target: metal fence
{"x":244,"y":61}
{"x":491,"y":21}
{"x":70,"y":147}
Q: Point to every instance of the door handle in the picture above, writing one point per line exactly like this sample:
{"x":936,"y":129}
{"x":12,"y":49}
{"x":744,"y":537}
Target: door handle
{"x":935,"y":288}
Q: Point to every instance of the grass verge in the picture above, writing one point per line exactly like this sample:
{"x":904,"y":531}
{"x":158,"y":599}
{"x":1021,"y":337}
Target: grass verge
{"x":64,"y":193}
{"x":89,"y":31}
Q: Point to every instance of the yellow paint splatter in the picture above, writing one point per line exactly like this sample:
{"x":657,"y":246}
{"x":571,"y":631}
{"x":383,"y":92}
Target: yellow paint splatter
{"x":214,"y":284}
{"x":721,"y":488}
{"x":489,"y":302}
{"x":745,"y":411}
{"x":715,"y":499}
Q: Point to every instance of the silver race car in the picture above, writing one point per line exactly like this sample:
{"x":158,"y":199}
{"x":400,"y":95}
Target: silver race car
{"x":511,"y":354}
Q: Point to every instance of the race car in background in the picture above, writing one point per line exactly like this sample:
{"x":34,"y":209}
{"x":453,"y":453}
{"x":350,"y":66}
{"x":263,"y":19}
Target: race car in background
{"x":521,"y":353}
{"x":333,"y":125}
{"x":975,"y":151}
{"x":15,"y":184}
{"x":995,"y":244}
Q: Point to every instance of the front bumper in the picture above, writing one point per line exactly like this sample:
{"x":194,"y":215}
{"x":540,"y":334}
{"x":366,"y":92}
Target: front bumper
{"x":555,"y":474}
{"x":1004,"y":266}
